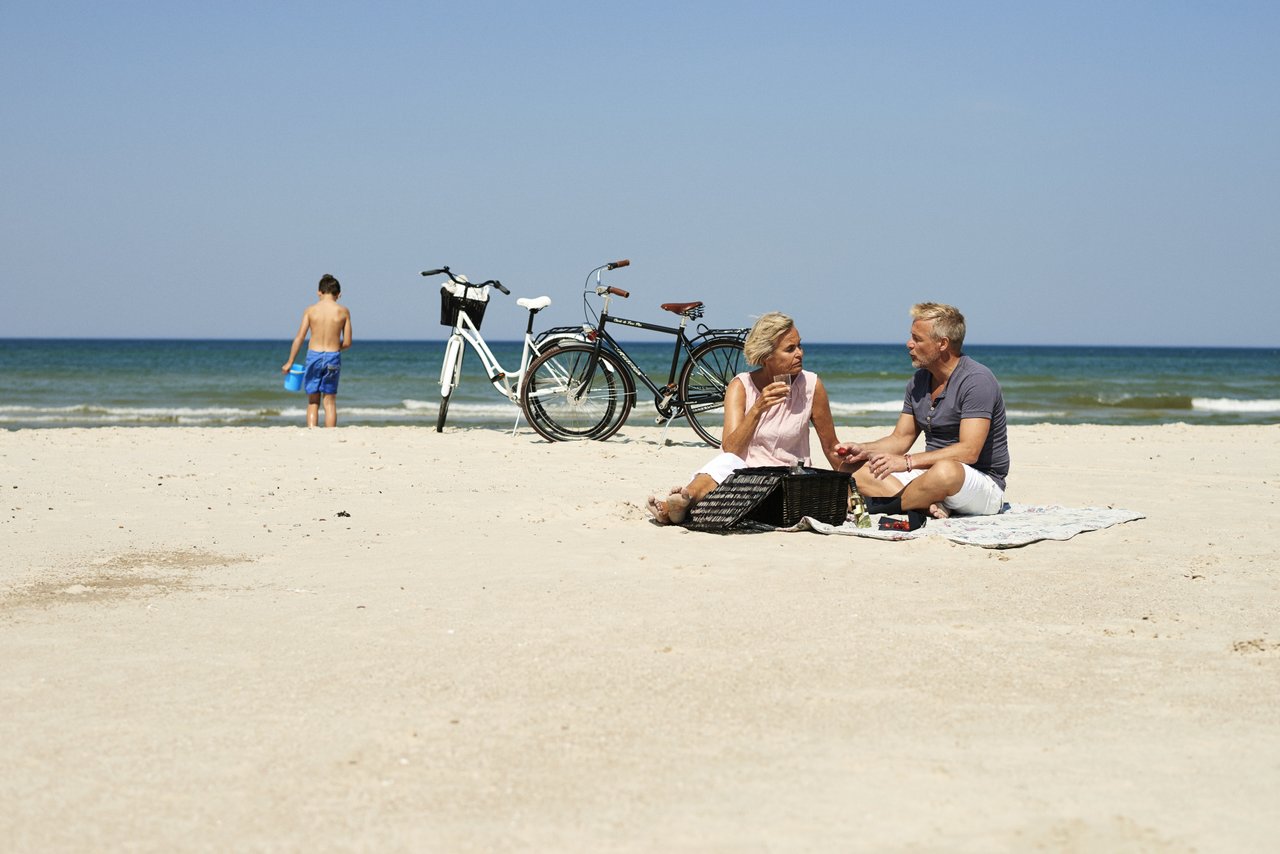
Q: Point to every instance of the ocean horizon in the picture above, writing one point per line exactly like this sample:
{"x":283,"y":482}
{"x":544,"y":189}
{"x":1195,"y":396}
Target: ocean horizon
{"x":91,"y":382}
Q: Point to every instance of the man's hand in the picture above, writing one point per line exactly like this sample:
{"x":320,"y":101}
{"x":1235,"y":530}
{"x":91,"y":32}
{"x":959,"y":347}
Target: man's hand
{"x":883,"y":465}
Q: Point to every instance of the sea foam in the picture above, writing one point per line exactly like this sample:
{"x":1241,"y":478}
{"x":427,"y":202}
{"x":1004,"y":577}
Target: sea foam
{"x":1226,"y":404}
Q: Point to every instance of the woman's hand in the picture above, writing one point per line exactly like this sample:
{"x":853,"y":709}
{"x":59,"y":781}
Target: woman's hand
{"x":851,"y":455}
{"x":773,"y":394}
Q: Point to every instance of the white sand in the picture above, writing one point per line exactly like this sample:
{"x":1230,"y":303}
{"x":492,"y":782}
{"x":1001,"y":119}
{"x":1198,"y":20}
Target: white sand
{"x":496,"y":650}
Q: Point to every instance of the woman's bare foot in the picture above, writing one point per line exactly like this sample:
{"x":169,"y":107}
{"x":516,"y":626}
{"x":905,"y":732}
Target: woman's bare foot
{"x":678,"y":506}
{"x":670,"y":510}
{"x":658,"y":509}
{"x":939,"y":511}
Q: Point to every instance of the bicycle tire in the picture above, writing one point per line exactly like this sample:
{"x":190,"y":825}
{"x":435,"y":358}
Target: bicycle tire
{"x":453,"y":383}
{"x":703,"y":381}
{"x":557,"y":412}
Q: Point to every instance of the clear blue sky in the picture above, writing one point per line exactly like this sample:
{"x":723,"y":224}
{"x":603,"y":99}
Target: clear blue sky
{"x":1067,"y":172}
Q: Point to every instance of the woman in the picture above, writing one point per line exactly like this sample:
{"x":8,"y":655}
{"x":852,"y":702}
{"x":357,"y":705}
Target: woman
{"x":767,"y":413}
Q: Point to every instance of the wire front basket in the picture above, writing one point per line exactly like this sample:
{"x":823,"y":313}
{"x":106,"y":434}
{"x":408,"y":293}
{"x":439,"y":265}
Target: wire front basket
{"x":474,"y":301}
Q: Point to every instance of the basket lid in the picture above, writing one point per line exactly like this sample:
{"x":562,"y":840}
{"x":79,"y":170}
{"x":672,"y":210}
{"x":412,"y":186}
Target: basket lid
{"x":734,"y":499}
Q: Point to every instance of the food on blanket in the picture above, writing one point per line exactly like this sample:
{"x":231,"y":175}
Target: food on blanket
{"x":915,"y":519}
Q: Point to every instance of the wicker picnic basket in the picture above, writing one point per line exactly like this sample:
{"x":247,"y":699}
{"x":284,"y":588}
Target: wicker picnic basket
{"x":772,"y":496}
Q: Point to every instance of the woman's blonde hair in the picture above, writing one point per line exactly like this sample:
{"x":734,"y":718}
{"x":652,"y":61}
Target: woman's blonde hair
{"x":764,"y":336}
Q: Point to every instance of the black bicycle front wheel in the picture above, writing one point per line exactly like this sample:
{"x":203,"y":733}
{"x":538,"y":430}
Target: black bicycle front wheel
{"x":703,"y":381}
{"x":562,"y":403}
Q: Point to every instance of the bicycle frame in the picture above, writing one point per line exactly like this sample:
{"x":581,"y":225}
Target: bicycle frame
{"x":662,"y":395}
{"x":506,"y":382}
{"x":465,"y":330}
{"x":571,"y":401}
{"x":666,"y":398}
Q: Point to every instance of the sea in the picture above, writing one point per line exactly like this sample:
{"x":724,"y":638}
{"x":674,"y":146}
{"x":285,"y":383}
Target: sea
{"x":51,"y":383}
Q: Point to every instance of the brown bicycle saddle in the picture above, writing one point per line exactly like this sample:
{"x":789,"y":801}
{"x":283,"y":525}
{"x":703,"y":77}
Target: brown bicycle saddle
{"x":680,"y":307}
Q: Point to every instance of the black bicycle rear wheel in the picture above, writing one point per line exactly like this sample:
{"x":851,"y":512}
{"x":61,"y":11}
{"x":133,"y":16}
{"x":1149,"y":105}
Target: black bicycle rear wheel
{"x":703,"y":381}
{"x":561,"y":405}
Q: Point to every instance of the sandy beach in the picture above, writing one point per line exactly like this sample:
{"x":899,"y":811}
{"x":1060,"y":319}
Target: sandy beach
{"x":388,"y":639}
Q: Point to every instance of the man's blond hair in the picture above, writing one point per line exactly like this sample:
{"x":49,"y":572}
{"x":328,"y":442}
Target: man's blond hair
{"x":948,"y":322}
{"x":764,"y":336}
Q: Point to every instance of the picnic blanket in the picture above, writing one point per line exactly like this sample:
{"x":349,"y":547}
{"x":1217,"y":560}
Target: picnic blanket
{"x":1016,"y":525}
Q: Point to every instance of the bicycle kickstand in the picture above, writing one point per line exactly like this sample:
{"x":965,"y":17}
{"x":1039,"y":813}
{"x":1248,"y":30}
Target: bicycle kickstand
{"x":666,"y":402}
{"x":662,"y":442}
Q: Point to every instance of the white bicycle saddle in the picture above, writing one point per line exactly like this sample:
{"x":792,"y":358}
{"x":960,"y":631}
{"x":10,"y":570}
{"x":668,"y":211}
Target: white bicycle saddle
{"x":534,"y":304}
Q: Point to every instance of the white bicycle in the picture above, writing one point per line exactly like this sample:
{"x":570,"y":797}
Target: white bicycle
{"x":462,"y":306}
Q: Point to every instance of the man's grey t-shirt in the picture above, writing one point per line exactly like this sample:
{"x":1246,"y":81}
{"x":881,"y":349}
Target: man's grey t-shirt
{"x":972,"y":392}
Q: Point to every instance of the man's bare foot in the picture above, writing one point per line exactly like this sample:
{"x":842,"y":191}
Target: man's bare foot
{"x":939,"y":511}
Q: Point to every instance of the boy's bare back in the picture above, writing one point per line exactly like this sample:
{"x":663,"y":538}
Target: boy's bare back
{"x":329,"y":324}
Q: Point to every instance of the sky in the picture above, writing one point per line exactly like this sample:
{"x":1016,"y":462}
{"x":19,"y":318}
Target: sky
{"x":1064,"y":172}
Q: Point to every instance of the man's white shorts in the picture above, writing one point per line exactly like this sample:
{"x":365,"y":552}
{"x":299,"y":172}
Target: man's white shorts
{"x":980,"y":496}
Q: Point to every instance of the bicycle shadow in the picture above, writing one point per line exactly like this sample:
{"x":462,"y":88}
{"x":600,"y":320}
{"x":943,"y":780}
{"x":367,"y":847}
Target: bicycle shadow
{"x":668,"y":442}
{"x":622,"y":438}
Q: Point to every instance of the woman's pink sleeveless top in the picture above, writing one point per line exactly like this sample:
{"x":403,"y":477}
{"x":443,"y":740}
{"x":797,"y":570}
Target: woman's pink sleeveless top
{"x":782,"y":436}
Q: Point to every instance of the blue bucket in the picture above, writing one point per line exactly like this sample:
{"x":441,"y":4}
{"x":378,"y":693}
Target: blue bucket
{"x":293,"y":380}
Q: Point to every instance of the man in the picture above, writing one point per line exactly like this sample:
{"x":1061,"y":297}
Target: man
{"x":958,"y":405}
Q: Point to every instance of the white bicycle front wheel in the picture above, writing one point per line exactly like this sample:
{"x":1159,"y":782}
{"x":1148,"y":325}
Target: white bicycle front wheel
{"x":450,"y":374}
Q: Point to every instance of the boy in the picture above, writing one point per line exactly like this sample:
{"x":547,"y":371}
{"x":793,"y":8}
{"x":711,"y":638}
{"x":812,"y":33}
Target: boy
{"x":330,"y":328}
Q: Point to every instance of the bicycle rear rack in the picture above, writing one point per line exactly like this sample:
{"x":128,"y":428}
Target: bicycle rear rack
{"x":706,"y":334}
{"x":578,"y":332}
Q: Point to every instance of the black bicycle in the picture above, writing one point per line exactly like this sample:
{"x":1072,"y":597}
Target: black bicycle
{"x":585,"y":390}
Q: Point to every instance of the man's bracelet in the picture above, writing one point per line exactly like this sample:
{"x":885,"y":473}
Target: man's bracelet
{"x":907,"y":457}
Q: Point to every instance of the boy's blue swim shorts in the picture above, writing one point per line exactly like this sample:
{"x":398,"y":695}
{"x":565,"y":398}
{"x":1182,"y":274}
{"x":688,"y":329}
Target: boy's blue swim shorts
{"x":322,"y":372}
